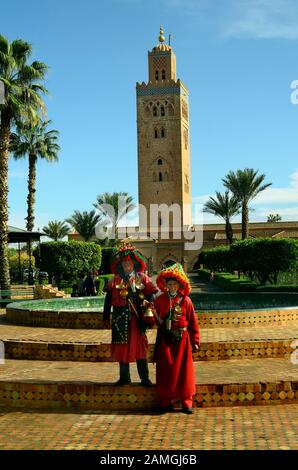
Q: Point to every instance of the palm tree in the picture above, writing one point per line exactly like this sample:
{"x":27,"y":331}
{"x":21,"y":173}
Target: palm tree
{"x":274,"y":218}
{"x":22,"y":100}
{"x":121,"y":203}
{"x":224,"y":206}
{"x":56,"y":230}
{"x":84,"y":223}
{"x":33,"y":140}
{"x":245,"y":185}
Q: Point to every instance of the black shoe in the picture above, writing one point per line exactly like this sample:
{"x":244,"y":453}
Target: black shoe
{"x":165,"y":409}
{"x":187,"y":411}
{"x":146,"y":383}
{"x":121,"y":382}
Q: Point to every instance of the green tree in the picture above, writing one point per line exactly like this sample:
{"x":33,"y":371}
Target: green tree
{"x":120,"y":205}
{"x":273,"y":218}
{"x":264,"y":258}
{"x":34,"y":141}
{"x":56,"y":230}
{"x":65,"y":260}
{"x":224,"y":206}
{"x":22,"y":100}
{"x":84,"y":223}
{"x":245,"y":185}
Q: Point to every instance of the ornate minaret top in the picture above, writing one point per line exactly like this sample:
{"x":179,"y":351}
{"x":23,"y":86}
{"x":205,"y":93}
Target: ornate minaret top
{"x":161,"y":37}
{"x":162,"y":62}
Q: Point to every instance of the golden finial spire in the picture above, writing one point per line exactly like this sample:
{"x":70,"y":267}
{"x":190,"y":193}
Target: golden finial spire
{"x":161,"y":37}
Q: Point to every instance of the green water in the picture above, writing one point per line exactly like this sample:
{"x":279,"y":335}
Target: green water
{"x":203,"y":302}
{"x":83,"y":304}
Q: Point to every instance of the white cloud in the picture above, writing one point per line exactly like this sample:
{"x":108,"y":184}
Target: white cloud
{"x":282,"y":198}
{"x":285,"y":212}
{"x":256,"y":19}
{"x":280,"y":195}
{"x":261,"y":19}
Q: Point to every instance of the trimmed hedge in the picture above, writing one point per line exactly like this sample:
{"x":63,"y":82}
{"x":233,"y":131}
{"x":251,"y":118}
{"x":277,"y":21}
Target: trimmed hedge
{"x":261,"y":259}
{"x":231,"y":283}
{"x":65,"y":260}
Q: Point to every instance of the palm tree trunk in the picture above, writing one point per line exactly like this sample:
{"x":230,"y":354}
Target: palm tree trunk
{"x":244,"y":220}
{"x":4,"y":146}
{"x":31,"y":192}
{"x":30,"y":208}
{"x":229,"y":232}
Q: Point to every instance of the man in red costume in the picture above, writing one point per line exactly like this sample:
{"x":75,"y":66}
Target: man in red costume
{"x":129,"y":292}
{"x":178,"y":335}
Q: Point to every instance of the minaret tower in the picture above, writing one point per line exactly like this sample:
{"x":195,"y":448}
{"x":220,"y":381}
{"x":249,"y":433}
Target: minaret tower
{"x":163,"y":135}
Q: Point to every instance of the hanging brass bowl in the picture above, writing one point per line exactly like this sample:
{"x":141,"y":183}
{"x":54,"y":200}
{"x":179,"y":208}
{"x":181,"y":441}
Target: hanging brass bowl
{"x":120,"y":286}
{"x":124,"y":293}
{"x":178,"y":309}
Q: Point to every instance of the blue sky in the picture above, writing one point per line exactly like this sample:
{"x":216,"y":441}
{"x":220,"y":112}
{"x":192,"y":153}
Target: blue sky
{"x":237,"y":58}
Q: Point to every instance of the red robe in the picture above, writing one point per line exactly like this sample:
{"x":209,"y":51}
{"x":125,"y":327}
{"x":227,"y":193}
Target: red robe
{"x":174,"y":363}
{"x":137,"y":346}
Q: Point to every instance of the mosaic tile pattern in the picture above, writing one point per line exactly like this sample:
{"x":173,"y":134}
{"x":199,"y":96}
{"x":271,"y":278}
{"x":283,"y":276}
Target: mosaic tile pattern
{"x":93,"y":320}
{"x":105,"y":397}
{"x":101,"y":352}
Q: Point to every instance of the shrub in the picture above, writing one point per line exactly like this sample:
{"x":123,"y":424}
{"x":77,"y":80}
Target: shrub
{"x":264,"y":258}
{"x":66,"y":260}
{"x":216,"y":259}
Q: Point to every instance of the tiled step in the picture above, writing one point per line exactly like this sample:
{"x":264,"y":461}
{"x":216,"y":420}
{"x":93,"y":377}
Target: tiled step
{"x":101,"y":352}
{"x":63,"y":385}
{"x":89,"y":345}
{"x":94,"y":320}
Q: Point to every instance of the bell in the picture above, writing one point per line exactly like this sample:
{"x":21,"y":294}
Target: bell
{"x":149,"y":313}
{"x":140,"y":285}
{"x":124,"y":293}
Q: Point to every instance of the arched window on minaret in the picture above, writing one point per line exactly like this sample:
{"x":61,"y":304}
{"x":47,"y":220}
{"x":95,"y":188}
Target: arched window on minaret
{"x":162,"y":132}
{"x":162,"y":111}
{"x":160,"y":176}
{"x":156,"y":133}
{"x":156,"y":74}
{"x":163,"y":74}
{"x":159,"y":162}
{"x":154,"y":111}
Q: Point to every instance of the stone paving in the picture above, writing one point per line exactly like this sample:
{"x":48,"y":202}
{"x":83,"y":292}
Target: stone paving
{"x":239,"y":428}
{"x":223,"y":372}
